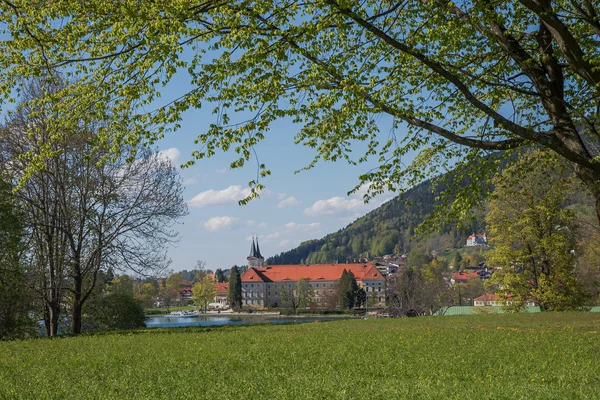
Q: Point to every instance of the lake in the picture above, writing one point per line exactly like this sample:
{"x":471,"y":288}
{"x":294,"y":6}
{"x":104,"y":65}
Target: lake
{"x":216,"y":320}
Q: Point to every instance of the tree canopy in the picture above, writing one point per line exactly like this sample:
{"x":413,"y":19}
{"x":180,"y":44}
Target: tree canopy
{"x":534,"y":239}
{"x":204,"y":292}
{"x":458,"y":80}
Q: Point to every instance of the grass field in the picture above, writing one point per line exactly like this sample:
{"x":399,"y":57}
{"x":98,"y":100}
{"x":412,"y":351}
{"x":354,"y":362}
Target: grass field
{"x":526,"y":356}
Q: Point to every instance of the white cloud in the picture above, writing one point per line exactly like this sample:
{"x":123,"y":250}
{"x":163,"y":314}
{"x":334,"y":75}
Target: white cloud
{"x":270,"y":236}
{"x":172,"y":154}
{"x":334,"y":205}
{"x":284,"y":243}
{"x":291,"y":225}
{"x":212,"y":197}
{"x":262,"y":225}
{"x":221,"y":171}
{"x":189,"y":181}
{"x":266,"y":238}
{"x":220,"y":223}
{"x":305,"y":227}
{"x":290,"y":201}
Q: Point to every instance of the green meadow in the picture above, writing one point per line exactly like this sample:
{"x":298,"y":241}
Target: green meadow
{"x":506,"y":356}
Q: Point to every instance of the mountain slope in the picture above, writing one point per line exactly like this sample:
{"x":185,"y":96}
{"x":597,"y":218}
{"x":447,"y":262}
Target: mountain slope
{"x":387,"y":229}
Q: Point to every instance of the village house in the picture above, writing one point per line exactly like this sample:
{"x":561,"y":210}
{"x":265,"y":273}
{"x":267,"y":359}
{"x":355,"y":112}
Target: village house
{"x":221,"y":296}
{"x":463,"y":276}
{"x":477,"y":239}
{"x":185,"y":292}
{"x":488,"y":299}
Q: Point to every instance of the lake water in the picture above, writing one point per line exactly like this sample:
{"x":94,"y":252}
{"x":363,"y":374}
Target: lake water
{"x":216,"y":320}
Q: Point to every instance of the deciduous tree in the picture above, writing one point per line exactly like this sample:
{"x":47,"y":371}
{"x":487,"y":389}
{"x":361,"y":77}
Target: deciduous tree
{"x":204,"y":292}
{"x":458,"y":80}
{"x":86,"y":209}
{"x":296,"y":296}
{"x":533,"y":237}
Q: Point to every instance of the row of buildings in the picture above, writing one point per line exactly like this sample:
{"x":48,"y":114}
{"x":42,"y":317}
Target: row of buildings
{"x":262,"y":286}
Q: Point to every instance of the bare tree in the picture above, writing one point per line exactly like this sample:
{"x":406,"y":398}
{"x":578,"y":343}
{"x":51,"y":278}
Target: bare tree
{"x":296,"y":296}
{"x":89,"y":211}
{"x":412,"y":295}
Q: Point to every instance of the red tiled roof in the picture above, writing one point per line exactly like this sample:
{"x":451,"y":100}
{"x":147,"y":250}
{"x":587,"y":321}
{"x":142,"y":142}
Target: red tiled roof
{"x":186,"y":284}
{"x":464,"y":276}
{"x":487,"y":297}
{"x":477,"y":235}
{"x":316,"y":272}
{"x":222,"y":287}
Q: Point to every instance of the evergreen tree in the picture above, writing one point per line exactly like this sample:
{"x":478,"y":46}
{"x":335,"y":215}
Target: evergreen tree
{"x":348,"y":290}
{"x":234,"y":295}
{"x":220,"y":276}
{"x":457,"y":261}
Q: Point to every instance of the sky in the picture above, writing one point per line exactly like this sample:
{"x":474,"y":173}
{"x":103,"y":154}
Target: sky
{"x":293,"y":207}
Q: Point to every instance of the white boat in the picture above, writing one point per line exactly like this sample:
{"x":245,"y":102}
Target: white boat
{"x":183,"y":313}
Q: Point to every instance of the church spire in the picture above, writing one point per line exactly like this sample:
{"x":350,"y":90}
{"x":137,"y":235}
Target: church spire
{"x":258,"y":255}
{"x":255,"y":259}
{"x":252,"y":248}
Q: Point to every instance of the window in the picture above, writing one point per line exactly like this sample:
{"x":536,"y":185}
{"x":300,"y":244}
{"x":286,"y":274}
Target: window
{"x":251,"y":301}
{"x":245,"y":285}
{"x":317,"y":285}
{"x":275,"y":293}
{"x":252,"y":285}
{"x":269,"y":293}
{"x":269,"y":286}
{"x":317,"y":292}
{"x":380,"y":289}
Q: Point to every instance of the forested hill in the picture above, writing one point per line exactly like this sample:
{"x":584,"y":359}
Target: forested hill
{"x":385,"y":230}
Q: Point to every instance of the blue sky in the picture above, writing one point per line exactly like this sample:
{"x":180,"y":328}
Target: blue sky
{"x":293,"y":207}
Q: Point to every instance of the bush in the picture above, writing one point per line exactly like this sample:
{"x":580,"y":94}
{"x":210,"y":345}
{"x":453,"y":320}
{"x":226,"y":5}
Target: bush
{"x":15,"y":306}
{"x":114,"y":311}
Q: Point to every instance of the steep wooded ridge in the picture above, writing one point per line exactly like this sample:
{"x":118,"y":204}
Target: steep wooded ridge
{"x":390,"y":228}
{"x":385,"y":230}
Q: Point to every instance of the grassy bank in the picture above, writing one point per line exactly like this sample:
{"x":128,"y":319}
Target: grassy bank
{"x":529,"y":356}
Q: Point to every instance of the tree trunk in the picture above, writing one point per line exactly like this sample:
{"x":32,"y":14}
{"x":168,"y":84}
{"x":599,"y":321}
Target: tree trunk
{"x":77,"y":306}
{"x":54,"y":318}
{"x":47,"y":320}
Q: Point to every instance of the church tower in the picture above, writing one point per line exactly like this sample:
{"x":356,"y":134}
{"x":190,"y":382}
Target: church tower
{"x":255,"y":259}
